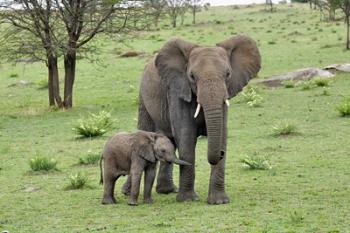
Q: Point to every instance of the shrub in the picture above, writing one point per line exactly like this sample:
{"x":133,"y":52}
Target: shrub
{"x":14,"y":75}
{"x":77,"y":180}
{"x":288,"y":84}
{"x":321,"y":82}
{"x":94,"y":125}
{"x":42,"y":84}
{"x":256,"y":162}
{"x":89,"y":158}
{"x":305,"y":85}
{"x":42,"y":164}
{"x":251,"y":97}
{"x":284,"y":128}
{"x":344,"y":108}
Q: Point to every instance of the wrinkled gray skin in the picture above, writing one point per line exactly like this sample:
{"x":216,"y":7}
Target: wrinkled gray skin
{"x":131,"y":154}
{"x":180,"y":77}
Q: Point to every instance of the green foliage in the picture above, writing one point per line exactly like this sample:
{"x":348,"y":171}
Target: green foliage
{"x":321,"y":82}
{"x":90,"y":158}
{"x":78,"y":180}
{"x":94,"y":125}
{"x":288,"y":84}
{"x":42,"y":164}
{"x":305,"y":85}
{"x":256,"y":162}
{"x":344,"y":108}
{"x":42,"y":84}
{"x":251,"y":97}
{"x":14,"y":75}
{"x":283,"y":129}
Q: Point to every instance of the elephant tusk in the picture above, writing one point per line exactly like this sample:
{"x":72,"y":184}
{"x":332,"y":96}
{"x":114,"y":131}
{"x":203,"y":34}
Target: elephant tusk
{"x":197,"y":110}
{"x":227,"y":103}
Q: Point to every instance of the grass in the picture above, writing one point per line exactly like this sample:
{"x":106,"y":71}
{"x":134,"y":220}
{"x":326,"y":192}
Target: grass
{"x":77,"y":181}
{"x":42,"y":164}
{"x":94,"y":125}
{"x":89,"y":159}
{"x":256,"y":162}
{"x":288,"y":84}
{"x":312,"y":170}
{"x":344,"y":108}
{"x":284,"y":129}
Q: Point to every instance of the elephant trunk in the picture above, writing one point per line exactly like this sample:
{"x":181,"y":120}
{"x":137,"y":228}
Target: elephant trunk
{"x":179,"y":162}
{"x":214,"y":122}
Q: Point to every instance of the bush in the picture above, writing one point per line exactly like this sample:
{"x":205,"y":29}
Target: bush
{"x":305,"y":85}
{"x":321,"y":82}
{"x":256,"y":162}
{"x":89,"y":158}
{"x":77,"y":181}
{"x":42,"y":84}
{"x":344,"y":108}
{"x":283,"y":129}
{"x":14,"y":75}
{"x":288,"y":84}
{"x":95,"y":125}
{"x":42,"y":164}
{"x":251,"y":97}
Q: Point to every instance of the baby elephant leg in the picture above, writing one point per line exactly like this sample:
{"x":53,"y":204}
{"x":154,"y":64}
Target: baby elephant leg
{"x":150,"y":174}
{"x":127,"y":186}
{"x":109,"y":183}
{"x":136,"y":174}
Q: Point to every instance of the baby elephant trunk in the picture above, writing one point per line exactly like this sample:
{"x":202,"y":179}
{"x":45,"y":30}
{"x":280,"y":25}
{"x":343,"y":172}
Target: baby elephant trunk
{"x":179,"y":162}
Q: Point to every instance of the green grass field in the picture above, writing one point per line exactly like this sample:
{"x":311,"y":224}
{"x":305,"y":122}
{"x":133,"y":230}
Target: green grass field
{"x":307,"y":189}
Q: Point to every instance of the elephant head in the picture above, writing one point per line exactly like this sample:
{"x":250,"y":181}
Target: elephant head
{"x":154,"y":146}
{"x":164,"y":151}
{"x":211,"y":76}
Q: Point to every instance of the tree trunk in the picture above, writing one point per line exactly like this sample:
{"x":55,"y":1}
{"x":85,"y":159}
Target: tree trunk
{"x":348,"y":32}
{"x":69,"y":68}
{"x":310,"y":1}
{"x":53,"y":82}
{"x":194,"y":15}
{"x":174,"y":21}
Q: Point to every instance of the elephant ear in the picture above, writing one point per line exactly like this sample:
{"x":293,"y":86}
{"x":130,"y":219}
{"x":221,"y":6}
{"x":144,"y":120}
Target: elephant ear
{"x":143,"y":146}
{"x":171,"y":63}
{"x":245,"y":62}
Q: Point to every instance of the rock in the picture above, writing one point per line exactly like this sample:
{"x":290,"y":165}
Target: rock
{"x":339,"y":67}
{"x":21,"y":83}
{"x":31,"y":189}
{"x":132,"y":54}
{"x":303,"y":74}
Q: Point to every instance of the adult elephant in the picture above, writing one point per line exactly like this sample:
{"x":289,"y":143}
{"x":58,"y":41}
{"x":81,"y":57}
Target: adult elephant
{"x":184,"y":94}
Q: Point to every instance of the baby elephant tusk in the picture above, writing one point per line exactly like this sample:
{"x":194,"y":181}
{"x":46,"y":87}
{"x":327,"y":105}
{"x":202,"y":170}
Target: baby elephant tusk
{"x":197,"y":110}
{"x":227,"y":103}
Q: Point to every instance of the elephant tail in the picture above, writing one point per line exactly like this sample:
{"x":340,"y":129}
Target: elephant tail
{"x":101,"y":173}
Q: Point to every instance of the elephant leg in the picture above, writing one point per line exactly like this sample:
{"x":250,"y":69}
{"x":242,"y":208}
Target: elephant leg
{"x":108,"y":193}
{"x":127,"y":186}
{"x":150,"y":174}
{"x":136,"y":175}
{"x":165,"y":183}
{"x":187,"y":146}
{"x":217,"y":194}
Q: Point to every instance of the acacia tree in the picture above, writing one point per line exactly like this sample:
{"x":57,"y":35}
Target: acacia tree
{"x":345,"y":6}
{"x":48,"y":29}
{"x":176,"y":8}
{"x":195,"y":6}
{"x":270,"y":3}
{"x":157,"y":8}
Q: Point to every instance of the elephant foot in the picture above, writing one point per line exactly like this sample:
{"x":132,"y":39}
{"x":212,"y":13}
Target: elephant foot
{"x":166,"y":188}
{"x":132,"y":202}
{"x":126,"y":188}
{"x":148,"y":200}
{"x":187,"y":196}
{"x":217,"y":198}
{"x":108,"y":201}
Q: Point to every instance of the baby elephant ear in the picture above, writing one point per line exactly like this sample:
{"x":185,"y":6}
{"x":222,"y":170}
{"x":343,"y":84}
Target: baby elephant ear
{"x":245,"y":62}
{"x":145,"y":151}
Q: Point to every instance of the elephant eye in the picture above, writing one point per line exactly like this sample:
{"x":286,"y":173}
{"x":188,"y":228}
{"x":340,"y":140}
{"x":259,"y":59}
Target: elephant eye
{"x":192,"y":77}
{"x":228,"y":74}
{"x":162,"y":150}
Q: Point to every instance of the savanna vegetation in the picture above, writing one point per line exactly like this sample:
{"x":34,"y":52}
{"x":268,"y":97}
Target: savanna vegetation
{"x":288,"y":148}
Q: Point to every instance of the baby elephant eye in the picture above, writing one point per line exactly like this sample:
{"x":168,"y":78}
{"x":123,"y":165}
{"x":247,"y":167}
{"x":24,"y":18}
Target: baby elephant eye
{"x":228,"y":74}
{"x":162,"y":150}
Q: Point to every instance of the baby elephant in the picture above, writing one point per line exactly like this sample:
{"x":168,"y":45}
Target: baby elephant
{"x":131,"y":154}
